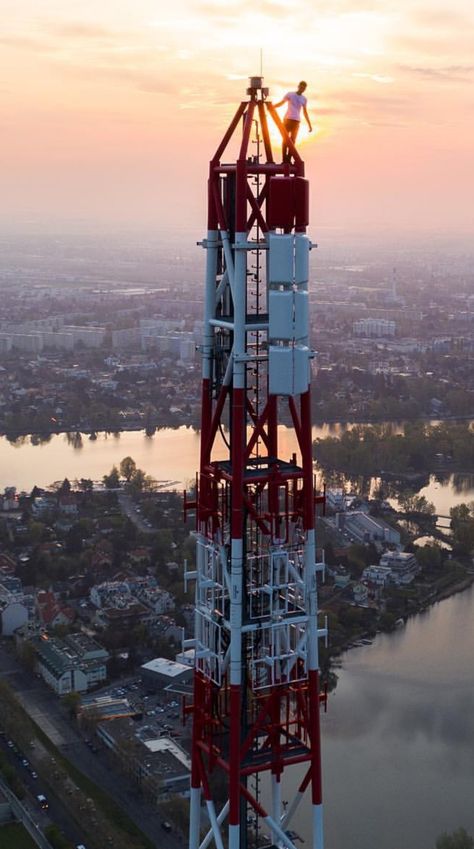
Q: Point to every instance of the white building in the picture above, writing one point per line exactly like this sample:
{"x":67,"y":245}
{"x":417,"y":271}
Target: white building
{"x":90,"y":337}
{"x":13,"y":611}
{"x":73,"y":665}
{"x":158,"y":600}
{"x":128,"y":337}
{"x":5,"y":343}
{"x":402,"y":564}
{"x":160,"y":326}
{"x":57,"y":340}
{"x":42,"y":504}
{"x":161,"y":672}
{"x":336,"y":500}
{"x":378,"y":575}
{"x":29,"y":342}
{"x":187,"y":657}
{"x":187,"y":350}
{"x":374,"y":327}
{"x":110,"y":594}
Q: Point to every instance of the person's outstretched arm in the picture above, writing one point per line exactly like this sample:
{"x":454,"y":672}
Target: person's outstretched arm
{"x":305,"y":113}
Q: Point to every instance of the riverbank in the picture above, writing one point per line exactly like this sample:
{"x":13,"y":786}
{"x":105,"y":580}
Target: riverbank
{"x":358,"y":638}
{"x":369,"y":451}
{"x":89,"y":433}
{"x":460,"y":587}
{"x":174,"y":424}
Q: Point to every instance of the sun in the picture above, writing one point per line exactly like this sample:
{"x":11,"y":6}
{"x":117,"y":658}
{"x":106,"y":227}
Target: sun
{"x":304,"y":136}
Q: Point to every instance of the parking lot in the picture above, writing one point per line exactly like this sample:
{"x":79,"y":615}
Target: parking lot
{"x":159,"y":713}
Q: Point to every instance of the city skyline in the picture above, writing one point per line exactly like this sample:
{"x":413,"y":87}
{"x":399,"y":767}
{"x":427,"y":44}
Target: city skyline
{"x":110,"y":115}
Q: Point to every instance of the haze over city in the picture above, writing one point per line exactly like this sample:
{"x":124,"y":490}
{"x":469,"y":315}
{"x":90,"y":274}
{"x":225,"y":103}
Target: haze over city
{"x":111,"y":112}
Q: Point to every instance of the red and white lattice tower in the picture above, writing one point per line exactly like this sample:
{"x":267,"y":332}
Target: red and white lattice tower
{"x":256,"y":704}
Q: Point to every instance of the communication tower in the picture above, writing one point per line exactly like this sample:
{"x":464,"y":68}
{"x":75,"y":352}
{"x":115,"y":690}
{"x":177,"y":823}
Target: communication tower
{"x":256,"y":703}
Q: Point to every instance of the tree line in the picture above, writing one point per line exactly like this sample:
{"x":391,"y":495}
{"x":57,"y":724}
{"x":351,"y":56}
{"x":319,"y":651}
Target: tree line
{"x":372,"y":449}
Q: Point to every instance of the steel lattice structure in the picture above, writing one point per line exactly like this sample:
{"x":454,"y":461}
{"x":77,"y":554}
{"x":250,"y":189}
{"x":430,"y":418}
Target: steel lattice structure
{"x":256,"y":705}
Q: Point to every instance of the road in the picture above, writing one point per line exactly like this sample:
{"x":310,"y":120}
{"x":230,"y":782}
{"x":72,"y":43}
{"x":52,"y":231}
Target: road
{"x":24,"y":815}
{"x":130,"y":510}
{"x":43,"y":706}
{"x":29,"y":811}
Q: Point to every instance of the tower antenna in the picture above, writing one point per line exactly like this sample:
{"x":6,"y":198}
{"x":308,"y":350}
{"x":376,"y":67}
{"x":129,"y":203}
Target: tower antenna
{"x":257,"y":697}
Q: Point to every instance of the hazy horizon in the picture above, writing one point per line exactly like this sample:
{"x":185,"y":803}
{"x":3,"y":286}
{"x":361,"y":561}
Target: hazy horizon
{"x":110,"y":114}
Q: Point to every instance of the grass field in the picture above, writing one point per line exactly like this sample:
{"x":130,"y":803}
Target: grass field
{"x":14,"y":836}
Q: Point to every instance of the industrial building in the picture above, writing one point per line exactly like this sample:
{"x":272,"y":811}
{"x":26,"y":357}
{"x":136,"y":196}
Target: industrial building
{"x":364,"y":528}
{"x":158,"y":763}
{"x":159,"y":673}
{"x":73,"y":665}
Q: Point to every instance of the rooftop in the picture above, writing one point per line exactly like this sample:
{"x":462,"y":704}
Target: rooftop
{"x":165,"y":745}
{"x":163,"y":666}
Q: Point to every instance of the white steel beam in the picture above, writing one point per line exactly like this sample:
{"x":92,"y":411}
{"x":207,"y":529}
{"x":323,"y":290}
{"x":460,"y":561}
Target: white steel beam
{"x":220,"y":819}
{"x":194,"y":817}
{"x":216,"y":832}
{"x":209,"y":302}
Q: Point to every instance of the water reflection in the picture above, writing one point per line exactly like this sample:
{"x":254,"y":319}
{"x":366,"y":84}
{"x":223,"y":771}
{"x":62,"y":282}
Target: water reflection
{"x":399,"y":735}
{"x":463,"y":482}
{"x":398,"y":738}
{"x":74,"y":439}
{"x":173,"y":454}
{"x":17,"y":441}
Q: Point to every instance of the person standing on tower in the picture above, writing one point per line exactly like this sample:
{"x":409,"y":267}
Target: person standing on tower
{"x":296,"y":102}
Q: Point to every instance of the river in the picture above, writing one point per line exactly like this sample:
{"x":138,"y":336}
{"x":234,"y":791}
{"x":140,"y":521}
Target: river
{"x":398,"y":738}
{"x":171,"y":456}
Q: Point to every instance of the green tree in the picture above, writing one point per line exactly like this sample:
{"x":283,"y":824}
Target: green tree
{"x":65,"y":487}
{"x":36,"y":531}
{"x":26,"y":654}
{"x":462,"y":524}
{"x":358,"y":558}
{"x":430,"y":557}
{"x":459,"y":839}
{"x":128,"y":468}
{"x":71,"y":702}
{"x":112,"y":480}
{"x":411,"y":503}
{"x":86,"y":485}
{"x":8,"y":772}
{"x":73,"y":540}
{"x":56,"y":837}
{"x":137,"y":481}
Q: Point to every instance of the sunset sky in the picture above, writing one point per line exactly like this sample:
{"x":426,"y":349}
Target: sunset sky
{"x":110,"y":111}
